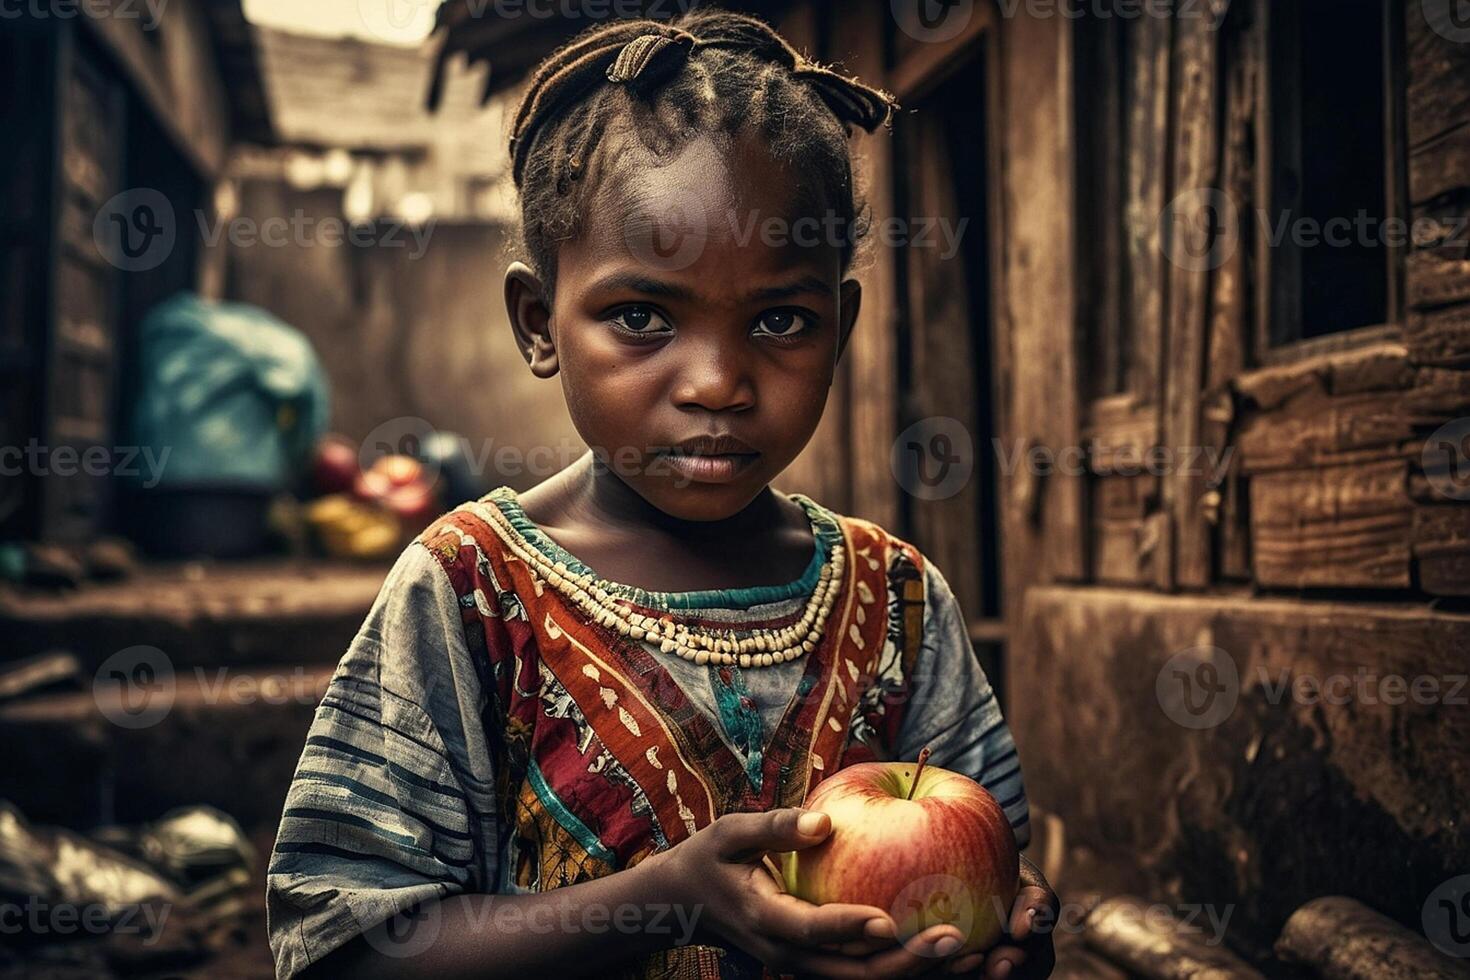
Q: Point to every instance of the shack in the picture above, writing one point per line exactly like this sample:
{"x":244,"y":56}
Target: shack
{"x":119,"y":118}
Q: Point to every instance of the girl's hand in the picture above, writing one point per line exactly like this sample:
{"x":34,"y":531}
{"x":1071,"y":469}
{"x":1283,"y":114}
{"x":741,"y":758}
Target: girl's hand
{"x":1026,"y":953}
{"x":719,"y":870}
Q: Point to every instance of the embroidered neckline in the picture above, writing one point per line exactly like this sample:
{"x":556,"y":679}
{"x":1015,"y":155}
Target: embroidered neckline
{"x":826,"y":530}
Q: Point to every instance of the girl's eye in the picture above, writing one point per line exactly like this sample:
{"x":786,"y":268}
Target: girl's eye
{"x":642,"y":320}
{"x":784,"y":324}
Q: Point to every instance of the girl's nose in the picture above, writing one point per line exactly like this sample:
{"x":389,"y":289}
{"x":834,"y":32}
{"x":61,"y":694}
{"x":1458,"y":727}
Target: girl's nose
{"x":715,"y":379}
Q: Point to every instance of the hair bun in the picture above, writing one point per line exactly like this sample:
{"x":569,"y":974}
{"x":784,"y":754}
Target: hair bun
{"x":651,"y":57}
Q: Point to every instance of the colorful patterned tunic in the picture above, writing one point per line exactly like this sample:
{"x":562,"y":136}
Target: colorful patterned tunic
{"x":484,"y":735}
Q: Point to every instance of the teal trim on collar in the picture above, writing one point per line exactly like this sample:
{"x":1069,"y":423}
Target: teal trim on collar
{"x":826,"y":531}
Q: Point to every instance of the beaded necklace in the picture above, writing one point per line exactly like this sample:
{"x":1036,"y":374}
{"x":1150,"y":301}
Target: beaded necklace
{"x":599,"y":599}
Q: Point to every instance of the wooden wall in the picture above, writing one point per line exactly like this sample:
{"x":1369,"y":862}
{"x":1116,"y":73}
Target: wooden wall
{"x":1333,"y":545}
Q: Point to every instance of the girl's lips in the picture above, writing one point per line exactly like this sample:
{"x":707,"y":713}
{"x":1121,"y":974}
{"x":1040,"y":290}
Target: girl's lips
{"x":720,"y":468}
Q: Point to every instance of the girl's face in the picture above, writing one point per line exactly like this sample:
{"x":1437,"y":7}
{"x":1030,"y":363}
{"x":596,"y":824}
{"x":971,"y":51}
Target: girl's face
{"x":697,"y":323}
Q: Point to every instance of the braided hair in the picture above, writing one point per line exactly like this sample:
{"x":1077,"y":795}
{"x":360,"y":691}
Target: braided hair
{"x":665,"y":82}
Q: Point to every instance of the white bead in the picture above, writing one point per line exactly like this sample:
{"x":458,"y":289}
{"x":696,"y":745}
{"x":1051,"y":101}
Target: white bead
{"x":668,"y":645}
{"x":636,"y":632}
{"x":745,"y":660}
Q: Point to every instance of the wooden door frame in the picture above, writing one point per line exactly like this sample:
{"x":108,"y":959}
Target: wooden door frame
{"x":911,"y":79}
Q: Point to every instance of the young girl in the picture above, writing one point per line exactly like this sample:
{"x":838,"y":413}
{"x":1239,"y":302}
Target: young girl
{"x":579,"y":719}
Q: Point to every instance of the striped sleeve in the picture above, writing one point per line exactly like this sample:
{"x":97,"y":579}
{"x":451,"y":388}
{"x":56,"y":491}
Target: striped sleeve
{"x":392,"y":803}
{"x":954,"y":710}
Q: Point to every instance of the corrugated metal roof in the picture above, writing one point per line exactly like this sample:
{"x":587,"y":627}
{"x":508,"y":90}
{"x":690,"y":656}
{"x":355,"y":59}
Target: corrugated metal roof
{"x":329,"y":92}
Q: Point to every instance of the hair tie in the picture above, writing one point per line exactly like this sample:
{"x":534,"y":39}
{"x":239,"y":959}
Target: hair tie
{"x":649,"y":58}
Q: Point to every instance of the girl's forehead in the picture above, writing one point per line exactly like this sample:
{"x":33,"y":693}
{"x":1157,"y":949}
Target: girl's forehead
{"x":720,"y":219}
{"x":720,"y":183}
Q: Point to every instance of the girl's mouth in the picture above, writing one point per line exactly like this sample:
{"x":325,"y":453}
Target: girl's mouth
{"x":710,"y":468}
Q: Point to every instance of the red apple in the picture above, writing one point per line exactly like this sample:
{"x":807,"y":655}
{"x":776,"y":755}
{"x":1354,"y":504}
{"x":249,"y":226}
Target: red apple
{"x":927,"y":845}
{"x":398,"y":484}
{"x":334,"y":465}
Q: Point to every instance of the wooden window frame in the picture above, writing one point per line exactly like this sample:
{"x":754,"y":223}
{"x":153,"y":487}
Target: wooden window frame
{"x":1272,"y":343}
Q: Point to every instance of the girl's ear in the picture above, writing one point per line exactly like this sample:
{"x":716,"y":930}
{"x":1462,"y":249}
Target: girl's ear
{"x":851,"y":301}
{"x":530,"y":319}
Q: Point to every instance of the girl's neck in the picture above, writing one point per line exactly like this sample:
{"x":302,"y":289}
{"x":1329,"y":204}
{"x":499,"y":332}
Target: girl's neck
{"x":609,"y":526}
{"x":598,"y":496}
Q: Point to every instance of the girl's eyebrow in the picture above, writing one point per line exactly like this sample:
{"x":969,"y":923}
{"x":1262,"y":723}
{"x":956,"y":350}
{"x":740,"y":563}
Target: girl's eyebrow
{"x":641,"y":284}
{"x":806,"y":284}
{"x":657,"y":287}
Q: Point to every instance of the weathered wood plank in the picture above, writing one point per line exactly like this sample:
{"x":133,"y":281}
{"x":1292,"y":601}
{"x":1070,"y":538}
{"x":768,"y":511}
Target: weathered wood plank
{"x":1037,"y":296}
{"x":1442,"y":548}
{"x":1121,"y":506}
{"x":1196,"y":166}
{"x":1317,"y":429}
{"x":1236,"y":808}
{"x":873,"y":392}
{"x":1340,"y":938}
{"x":1342,"y":526}
{"x":1438,"y":97}
{"x":1381,"y":367}
{"x":1147,"y":181}
{"x":1103,"y":320}
{"x":1440,"y":167}
{"x":944,"y":361}
{"x":1439,"y":336}
{"x":1155,"y":944}
{"x":1438,"y":395}
{"x":1435,"y":280}
{"x":1232,"y":326}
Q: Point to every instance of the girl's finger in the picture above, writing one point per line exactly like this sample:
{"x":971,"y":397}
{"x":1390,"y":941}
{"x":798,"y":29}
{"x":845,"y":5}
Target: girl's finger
{"x":1003,"y":962}
{"x":793,"y":921}
{"x":1030,"y":903}
{"x":919,"y":954}
{"x":968,"y":963}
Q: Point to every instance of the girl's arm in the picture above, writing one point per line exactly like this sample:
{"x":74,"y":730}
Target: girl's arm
{"x":711,"y":888}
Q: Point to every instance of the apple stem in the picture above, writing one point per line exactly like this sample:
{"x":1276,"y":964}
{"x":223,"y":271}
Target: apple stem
{"x":923,"y":758}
